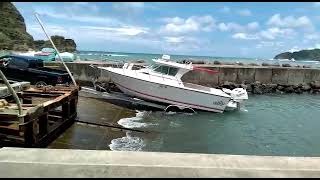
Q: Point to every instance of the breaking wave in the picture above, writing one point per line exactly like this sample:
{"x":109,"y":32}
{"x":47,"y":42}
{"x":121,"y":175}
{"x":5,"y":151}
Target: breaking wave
{"x":134,"y":122}
{"x":127,"y":143}
{"x":120,"y":55}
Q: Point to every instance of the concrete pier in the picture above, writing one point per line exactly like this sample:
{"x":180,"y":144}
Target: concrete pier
{"x":45,"y":163}
{"x":232,"y":73}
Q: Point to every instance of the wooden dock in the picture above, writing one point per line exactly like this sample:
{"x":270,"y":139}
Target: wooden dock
{"x":47,"y":112}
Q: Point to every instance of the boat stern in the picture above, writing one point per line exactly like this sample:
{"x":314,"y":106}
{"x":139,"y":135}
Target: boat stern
{"x":238,"y":95}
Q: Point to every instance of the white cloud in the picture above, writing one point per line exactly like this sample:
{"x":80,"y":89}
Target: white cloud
{"x":263,"y":44}
{"x":122,"y":31}
{"x":244,"y":12}
{"x":38,"y":34}
{"x":191,"y":24}
{"x":269,"y":34}
{"x":68,"y":15}
{"x":290,"y":22}
{"x":312,"y":36}
{"x":237,"y":27}
{"x":244,"y":36}
{"x":275,"y":32}
{"x":253,"y":25}
{"x":294,"y":49}
{"x":174,"y":39}
{"x":230,"y":27}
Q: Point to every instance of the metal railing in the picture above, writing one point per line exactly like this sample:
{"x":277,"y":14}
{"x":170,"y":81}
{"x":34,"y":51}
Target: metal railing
{"x":15,"y":96}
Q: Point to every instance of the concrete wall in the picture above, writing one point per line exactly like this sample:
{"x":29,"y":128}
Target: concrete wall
{"x":46,"y":163}
{"x":236,"y":74}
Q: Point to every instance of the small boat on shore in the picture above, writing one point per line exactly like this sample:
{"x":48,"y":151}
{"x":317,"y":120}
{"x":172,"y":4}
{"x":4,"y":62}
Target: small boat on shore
{"x":161,"y":82}
{"x":46,"y":54}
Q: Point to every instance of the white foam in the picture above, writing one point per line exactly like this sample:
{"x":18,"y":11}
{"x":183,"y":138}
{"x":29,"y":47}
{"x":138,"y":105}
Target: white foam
{"x":115,"y":55}
{"x":170,"y":112}
{"x":310,"y":61}
{"x":174,"y":124}
{"x":127,"y":143}
{"x":133,"y":122}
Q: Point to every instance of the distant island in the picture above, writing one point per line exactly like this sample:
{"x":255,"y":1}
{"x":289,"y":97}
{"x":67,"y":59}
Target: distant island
{"x":313,"y":54}
{"x":13,"y":34}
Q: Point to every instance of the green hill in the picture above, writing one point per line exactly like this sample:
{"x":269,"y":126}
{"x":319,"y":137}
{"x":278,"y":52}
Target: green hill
{"x":313,"y":54}
{"x":13,"y":34}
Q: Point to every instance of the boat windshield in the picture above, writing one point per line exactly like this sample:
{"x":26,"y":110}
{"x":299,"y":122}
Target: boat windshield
{"x":166,"y":70}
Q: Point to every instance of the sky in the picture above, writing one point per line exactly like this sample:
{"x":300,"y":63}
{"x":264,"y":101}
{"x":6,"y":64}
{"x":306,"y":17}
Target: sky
{"x":220,"y":29}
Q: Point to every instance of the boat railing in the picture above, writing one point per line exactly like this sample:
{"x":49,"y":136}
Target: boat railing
{"x":196,"y":86}
{"x":118,"y":63}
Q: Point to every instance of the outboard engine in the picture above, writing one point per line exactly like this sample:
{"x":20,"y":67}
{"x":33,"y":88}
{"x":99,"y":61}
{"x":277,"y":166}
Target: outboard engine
{"x":237,"y":97}
{"x":239,"y":94}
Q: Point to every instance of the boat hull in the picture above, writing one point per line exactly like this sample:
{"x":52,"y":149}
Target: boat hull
{"x":169,"y":94}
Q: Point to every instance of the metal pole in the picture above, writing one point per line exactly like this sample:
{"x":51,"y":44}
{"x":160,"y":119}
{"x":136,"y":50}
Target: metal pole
{"x":15,"y":96}
{"x":74,"y":82}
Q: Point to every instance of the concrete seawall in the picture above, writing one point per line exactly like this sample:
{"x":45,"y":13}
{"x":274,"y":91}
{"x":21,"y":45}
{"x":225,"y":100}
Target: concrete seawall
{"x":227,"y":73}
{"x":21,"y":162}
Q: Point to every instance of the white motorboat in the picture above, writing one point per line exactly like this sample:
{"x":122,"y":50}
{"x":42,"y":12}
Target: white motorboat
{"x":161,"y":82}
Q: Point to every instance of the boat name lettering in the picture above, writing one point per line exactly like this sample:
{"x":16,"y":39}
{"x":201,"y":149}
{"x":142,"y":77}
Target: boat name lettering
{"x":218,"y":103}
{"x":162,"y":86}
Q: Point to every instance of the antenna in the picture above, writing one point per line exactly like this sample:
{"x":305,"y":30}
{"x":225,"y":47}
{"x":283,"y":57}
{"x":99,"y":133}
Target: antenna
{"x":74,"y":82}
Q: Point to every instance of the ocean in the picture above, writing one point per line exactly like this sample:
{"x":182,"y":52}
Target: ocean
{"x":126,"y":57}
{"x":275,"y":125}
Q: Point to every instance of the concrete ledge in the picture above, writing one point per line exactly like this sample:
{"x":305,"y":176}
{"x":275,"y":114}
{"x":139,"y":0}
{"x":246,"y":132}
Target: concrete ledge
{"x":20,"y":162}
{"x":232,"y":73}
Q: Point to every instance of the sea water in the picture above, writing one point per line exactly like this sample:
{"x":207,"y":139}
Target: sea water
{"x":267,"y":125}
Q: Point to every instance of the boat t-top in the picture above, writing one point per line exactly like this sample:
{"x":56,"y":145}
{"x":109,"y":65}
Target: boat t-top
{"x":161,"y":82}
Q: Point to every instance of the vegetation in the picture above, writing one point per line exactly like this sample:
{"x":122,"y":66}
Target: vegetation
{"x":13,"y":34}
{"x":313,"y":54}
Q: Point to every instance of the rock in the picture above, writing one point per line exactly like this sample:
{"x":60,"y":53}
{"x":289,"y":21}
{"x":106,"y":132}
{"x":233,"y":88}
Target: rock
{"x":288,"y":89}
{"x":269,"y":88}
{"x":305,"y":66}
{"x":314,"y":91}
{"x":279,"y":87}
{"x":315,"y":84}
{"x":228,"y":85}
{"x":257,"y":83}
{"x":257,"y":89}
{"x":243,"y":86}
{"x":265,"y":64}
{"x":13,"y":34}
{"x":295,"y":87}
{"x":276,"y":65}
{"x":279,"y":92}
{"x":216,"y":62}
{"x":286,"y":65}
{"x":230,"y":63}
{"x":306,"y":87}
{"x":62,"y":44}
{"x":298,"y":91}
{"x":249,"y":88}
{"x":253,"y":64}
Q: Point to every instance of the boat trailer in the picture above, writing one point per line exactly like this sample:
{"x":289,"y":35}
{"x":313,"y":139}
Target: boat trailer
{"x":121,"y":99}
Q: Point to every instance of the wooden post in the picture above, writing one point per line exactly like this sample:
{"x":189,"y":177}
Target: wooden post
{"x":43,"y":124}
